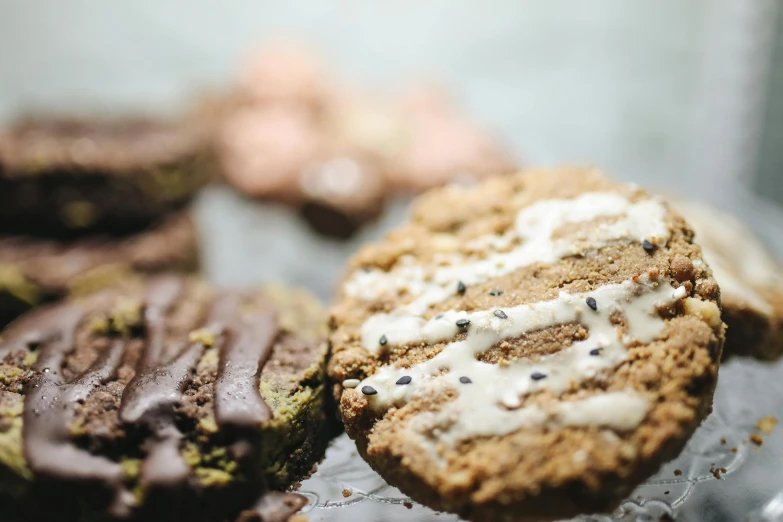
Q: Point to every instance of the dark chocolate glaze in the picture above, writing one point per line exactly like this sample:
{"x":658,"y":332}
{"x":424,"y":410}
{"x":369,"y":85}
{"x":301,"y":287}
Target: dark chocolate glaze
{"x":150,"y":398}
{"x":157,"y":387}
{"x":245,"y":348}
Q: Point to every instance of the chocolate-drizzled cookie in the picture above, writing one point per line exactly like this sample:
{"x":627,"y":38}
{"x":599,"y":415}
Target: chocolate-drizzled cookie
{"x":530,"y":348}
{"x":65,"y":177}
{"x":162,"y":400}
{"x":35,"y":269}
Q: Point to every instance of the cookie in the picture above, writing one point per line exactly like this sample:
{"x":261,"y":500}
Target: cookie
{"x":290,"y":133}
{"x":64,"y":177}
{"x":750,"y":279}
{"x":284,"y":73}
{"x":34,"y":269}
{"x":281,"y":153}
{"x":443,"y":145}
{"x":530,"y":348}
{"x":162,"y":399}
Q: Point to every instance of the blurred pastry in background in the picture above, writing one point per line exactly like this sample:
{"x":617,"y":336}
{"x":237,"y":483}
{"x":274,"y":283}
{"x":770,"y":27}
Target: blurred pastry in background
{"x":66,"y":177}
{"x":34,"y":270}
{"x":443,"y":145}
{"x":750,"y":279}
{"x":284,"y":72}
{"x":291,"y":133}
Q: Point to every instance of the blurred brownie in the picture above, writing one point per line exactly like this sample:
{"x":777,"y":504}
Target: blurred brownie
{"x":64,"y":177}
{"x":34,"y":270}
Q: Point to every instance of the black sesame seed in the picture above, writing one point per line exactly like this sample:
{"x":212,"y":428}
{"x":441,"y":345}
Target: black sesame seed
{"x":537,"y":376}
{"x":592,"y":303}
{"x":648,"y":246}
{"x":500,"y":314}
{"x":465,"y":380}
{"x":383,"y":340}
{"x":405,"y":379}
{"x":369,"y":390}
{"x":461,"y":287}
{"x":596,"y":351}
{"x":463,"y":323}
{"x":495,"y":293}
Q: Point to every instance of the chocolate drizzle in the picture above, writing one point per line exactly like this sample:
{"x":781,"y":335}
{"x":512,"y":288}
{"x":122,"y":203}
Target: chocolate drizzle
{"x":150,"y":398}
{"x":245,"y":348}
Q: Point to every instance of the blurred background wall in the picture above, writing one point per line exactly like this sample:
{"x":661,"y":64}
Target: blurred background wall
{"x":683,"y":95}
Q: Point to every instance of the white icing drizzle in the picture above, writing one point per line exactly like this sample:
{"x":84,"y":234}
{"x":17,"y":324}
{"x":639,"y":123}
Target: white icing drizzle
{"x":490,"y":403}
{"x":489,"y":397}
{"x":535,"y":226}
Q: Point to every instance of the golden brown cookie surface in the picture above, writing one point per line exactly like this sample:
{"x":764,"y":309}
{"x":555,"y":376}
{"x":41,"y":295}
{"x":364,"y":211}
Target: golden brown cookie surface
{"x":529,"y":348}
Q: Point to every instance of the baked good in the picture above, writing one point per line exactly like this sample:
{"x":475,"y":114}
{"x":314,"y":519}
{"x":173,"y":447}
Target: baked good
{"x":64,"y":177}
{"x":281,"y":153}
{"x":530,"y":348}
{"x":36,"y":269}
{"x":750,"y":279}
{"x":443,"y":145}
{"x":290,"y":133}
{"x":162,"y":399}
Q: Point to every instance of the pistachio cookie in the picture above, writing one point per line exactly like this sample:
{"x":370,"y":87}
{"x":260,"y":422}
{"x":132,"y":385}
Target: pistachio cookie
{"x":750,"y":279}
{"x":63,"y":177}
{"x":162,"y":400}
{"x":35,"y":269}
{"x":530,"y":348}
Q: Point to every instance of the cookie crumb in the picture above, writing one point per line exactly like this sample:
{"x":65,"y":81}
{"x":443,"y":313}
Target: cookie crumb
{"x":766,"y":424}
{"x":756,"y":439}
{"x":723,"y":441}
{"x":677,"y":472}
{"x":408,"y":505}
{"x":347,"y":493}
{"x":716,"y":472}
{"x":733,"y":450}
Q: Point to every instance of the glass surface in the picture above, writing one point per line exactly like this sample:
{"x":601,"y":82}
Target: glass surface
{"x":247,"y":243}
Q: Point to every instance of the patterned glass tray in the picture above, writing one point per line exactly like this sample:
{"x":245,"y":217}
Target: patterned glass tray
{"x":723,"y":474}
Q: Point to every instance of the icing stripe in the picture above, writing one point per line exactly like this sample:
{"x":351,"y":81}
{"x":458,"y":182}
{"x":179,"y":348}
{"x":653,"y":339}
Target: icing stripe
{"x":492,"y":406}
{"x":535,"y":226}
